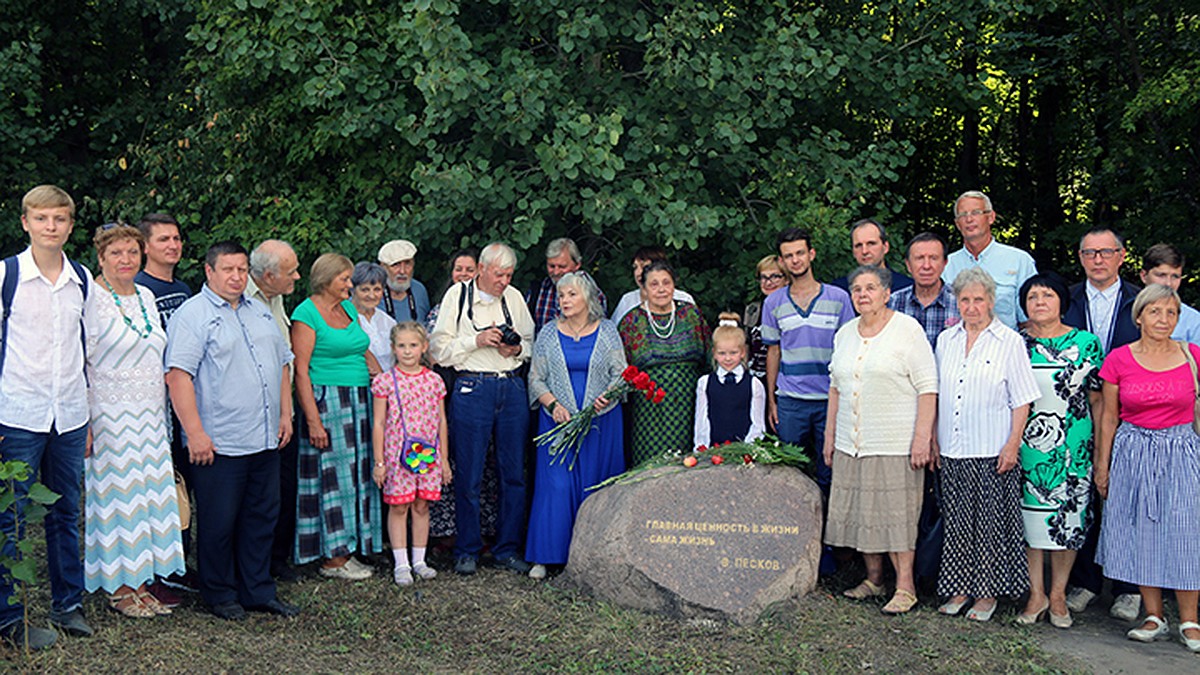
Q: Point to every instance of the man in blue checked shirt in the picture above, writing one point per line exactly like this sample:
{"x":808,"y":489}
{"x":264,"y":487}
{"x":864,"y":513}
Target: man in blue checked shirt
{"x":227,"y":371}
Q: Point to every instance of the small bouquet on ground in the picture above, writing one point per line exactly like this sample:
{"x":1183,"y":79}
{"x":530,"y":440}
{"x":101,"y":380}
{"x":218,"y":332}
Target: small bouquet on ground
{"x":568,"y":436}
{"x":765,"y":450}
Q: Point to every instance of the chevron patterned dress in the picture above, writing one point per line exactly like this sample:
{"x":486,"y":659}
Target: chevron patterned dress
{"x":132,"y":528}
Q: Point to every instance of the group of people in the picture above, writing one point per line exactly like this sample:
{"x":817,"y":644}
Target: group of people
{"x":352,"y":420}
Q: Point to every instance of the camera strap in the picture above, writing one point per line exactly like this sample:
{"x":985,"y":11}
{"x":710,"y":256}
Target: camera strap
{"x":470,"y":295}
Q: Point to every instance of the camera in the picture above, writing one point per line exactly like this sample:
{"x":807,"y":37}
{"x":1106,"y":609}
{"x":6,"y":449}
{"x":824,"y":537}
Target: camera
{"x":509,"y":336}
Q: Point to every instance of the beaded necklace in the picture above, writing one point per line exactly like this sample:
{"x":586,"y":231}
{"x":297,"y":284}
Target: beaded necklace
{"x":145,"y":317}
{"x":663,"y":331}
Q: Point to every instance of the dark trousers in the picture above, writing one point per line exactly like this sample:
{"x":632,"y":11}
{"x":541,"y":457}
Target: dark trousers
{"x":237,"y":504}
{"x":285,"y":526}
{"x":485,"y":409}
{"x":1086,"y":573}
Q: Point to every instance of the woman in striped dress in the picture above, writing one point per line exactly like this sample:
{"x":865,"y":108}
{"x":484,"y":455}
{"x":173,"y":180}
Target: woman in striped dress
{"x":132,"y":517}
{"x":669,"y":340}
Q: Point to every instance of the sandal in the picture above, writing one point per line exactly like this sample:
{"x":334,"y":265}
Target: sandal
{"x":130,"y":605}
{"x":153,"y":603}
{"x":864,"y":590}
{"x":901,"y":603}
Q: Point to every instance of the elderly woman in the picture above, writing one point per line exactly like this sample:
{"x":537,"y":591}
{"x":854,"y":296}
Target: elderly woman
{"x":338,"y":505}
{"x":577,"y":357}
{"x":668,"y":339}
{"x":985,"y":386}
{"x":879,"y":436}
{"x":132,"y":529}
{"x":772,"y":276}
{"x":1056,"y":449}
{"x":1152,"y":513}
{"x":369,"y":281}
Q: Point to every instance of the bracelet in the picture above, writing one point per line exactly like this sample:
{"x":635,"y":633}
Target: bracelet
{"x":380,"y":465}
{"x":550,"y":408}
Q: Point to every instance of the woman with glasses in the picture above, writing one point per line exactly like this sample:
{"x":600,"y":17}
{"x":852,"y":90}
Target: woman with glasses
{"x":772,"y":276}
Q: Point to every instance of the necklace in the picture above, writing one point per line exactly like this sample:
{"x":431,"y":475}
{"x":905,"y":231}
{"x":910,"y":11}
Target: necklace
{"x":145,"y":317}
{"x":663,"y":330}
{"x":573,"y":332}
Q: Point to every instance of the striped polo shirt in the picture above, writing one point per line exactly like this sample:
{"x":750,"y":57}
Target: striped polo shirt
{"x":805,"y":339}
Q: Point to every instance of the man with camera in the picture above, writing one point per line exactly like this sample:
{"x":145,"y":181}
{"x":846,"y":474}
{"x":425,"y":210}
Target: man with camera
{"x":485,"y":332}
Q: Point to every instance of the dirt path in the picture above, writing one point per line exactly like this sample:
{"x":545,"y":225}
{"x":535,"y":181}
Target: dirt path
{"x":1099,"y":641}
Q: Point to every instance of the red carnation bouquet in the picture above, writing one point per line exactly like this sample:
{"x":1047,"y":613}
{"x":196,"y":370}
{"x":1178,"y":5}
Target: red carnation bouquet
{"x":568,"y":436}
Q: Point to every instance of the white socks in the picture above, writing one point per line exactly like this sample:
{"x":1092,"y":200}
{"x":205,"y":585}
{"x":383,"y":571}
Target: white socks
{"x":401,"y":556}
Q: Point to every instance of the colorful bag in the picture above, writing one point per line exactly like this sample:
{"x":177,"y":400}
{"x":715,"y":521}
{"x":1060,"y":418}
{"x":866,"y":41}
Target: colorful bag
{"x":417,"y":453}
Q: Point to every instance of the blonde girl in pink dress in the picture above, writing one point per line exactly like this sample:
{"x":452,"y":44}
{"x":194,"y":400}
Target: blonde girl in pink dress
{"x":410,"y":415}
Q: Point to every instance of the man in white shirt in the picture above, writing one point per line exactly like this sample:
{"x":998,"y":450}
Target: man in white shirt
{"x":44,"y":405}
{"x":274,"y":271}
{"x":1102,"y":305}
{"x":486,"y":336}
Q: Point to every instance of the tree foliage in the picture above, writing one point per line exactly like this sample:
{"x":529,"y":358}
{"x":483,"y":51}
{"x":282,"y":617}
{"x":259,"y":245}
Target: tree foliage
{"x":707,"y":127}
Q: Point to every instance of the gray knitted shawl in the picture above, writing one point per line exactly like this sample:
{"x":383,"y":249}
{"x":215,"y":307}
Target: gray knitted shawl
{"x":548,"y":369}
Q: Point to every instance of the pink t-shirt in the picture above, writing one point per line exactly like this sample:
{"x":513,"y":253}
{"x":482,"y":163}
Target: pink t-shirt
{"x":1149,"y":399}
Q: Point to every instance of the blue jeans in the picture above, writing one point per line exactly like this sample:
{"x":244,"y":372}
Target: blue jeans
{"x":57,"y":459}
{"x":489,"y":409}
{"x":802,"y":422}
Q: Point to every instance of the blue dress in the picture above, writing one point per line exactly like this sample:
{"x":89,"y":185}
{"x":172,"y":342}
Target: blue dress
{"x":557,"y":491}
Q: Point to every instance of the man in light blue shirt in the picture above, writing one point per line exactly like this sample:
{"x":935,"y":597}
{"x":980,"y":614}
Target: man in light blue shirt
{"x":1163,"y":264}
{"x":1008,"y":266}
{"x":227,"y":371}
{"x":407,"y":299}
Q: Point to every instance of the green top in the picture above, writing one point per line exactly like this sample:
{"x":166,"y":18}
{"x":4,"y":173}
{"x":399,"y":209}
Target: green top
{"x":338,"y":357}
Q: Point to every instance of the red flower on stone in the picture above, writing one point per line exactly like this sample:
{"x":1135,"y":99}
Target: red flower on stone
{"x":747,"y":459}
{"x":717,"y":459}
{"x":702,"y":448}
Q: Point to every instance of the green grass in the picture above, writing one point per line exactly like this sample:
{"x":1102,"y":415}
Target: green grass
{"x":500,"y":622}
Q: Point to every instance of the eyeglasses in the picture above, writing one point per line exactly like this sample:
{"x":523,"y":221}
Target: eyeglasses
{"x":770,"y":278}
{"x":973,"y":213}
{"x":1104,"y":253}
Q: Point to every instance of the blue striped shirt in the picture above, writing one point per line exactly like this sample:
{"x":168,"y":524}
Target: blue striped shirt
{"x":805,"y":339}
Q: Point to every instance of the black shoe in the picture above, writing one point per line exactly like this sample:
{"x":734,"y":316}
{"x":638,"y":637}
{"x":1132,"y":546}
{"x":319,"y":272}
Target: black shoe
{"x":276,"y":606}
{"x":186,"y":582}
{"x":230,"y":611}
{"x":39,"y":638}
{"x":465,"y":565}
{"x":284,"y":572}
{"x":513,"y":564}
{"x":71,"y":623}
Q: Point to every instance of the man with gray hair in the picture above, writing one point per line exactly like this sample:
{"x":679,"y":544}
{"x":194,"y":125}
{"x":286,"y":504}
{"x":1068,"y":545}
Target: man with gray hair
{"x":484,"y":331}
{"x":1008,"y":266}
{"x":274,"y":271}
{"x":562,"y":256}
{"x":406,"y":299}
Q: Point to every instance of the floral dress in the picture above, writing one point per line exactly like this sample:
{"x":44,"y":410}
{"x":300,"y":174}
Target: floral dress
{"x":1056,"y":448}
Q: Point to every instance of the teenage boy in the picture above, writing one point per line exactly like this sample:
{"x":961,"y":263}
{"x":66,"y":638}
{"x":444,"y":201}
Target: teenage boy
{"x":44,"y":405}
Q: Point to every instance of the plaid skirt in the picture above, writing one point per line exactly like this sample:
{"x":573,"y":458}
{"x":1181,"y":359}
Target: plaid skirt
{"x":984,"y":551}
{"x":338,"y":505}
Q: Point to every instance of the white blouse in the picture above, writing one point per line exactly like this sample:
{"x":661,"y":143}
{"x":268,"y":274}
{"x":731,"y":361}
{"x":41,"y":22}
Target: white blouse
{"x":980,"y":390}
{"x":879,"y":380}
{"x":379,"y":329}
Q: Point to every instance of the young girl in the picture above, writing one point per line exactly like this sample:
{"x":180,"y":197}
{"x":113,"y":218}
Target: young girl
{"x":730,"y":403}
{"x":409,"y":404}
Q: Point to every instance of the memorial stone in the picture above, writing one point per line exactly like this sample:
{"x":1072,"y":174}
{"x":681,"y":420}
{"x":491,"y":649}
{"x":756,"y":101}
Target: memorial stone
{"x":723,"y":542}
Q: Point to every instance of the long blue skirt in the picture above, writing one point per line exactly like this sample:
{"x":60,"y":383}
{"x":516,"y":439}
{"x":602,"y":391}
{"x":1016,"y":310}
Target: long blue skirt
{"x":1151,"y":525}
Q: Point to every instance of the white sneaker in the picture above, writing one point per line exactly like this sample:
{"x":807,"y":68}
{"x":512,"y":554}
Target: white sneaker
{"x":345,"y":572}
{"x":1127,"y":607}
{"x":424,"y":571}
{"x":1079,"y":598}
{"x":537,"y":572}
{"x":403,"y":575}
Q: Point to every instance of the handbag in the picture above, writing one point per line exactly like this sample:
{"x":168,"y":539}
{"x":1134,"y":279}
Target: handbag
{"x":1187,"y":354}
{"x":930,"y":529}
{"x":185,"y":505}
{"x":416,"y":452}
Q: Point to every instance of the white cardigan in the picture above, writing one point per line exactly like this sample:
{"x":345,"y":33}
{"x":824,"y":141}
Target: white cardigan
{"x":879,"y":380}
